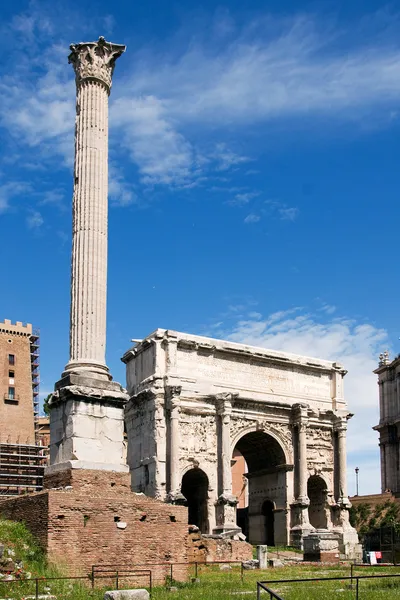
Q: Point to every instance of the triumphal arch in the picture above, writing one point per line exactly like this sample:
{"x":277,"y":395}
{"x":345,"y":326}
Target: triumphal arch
{"x":197,"y":404}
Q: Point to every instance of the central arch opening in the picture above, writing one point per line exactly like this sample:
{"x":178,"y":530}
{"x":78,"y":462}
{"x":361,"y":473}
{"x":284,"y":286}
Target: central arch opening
{"x":261,"y":511}
{"x":195,"y":489}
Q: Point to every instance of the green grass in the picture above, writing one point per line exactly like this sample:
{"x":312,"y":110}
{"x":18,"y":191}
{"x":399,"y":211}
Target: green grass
{"x":214,"y":584}
{"x":221,"y":585}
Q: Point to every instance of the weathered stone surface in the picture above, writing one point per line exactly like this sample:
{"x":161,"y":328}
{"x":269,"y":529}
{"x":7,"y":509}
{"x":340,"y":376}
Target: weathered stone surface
{"x":86,"y":409}
{"x":127,"y":595}
{"x":388,"y":373}
{"x":276,"y":562}
{"x":262,"y":556}
{"x":251,"y":564}
{"x":194,"y":400}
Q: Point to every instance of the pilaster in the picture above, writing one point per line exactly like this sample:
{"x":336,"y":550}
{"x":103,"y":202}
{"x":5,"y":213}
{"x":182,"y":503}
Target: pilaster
{"x":174,"y":405}
{"x":226,"y":502}
{"x":300,"y":519}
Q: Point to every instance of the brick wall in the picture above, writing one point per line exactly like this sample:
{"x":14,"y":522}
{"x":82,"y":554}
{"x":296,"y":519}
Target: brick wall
{"x":78,"y":527}
{"x":32,"y":509}
{"x":17,"y":424}
{"x":204,"y":549}
{"x":76,"y":521}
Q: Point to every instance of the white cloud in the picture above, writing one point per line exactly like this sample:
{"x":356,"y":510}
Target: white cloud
{"x":355,"y":345}
{"x":243,"y":198}
{"x":171,"y":105}
{"x":120,"y":192}
{"x":54,"y":197}
{"x":34,"y":220}
{"x":226,"y":158}
{"x":10,"y":190}
{"x":41,"y":112}
{"x":252,"y":218}
{"x":329,"y":309}
{"x":162,"y":154}
{"x":272,"y":69}
{"x":289,"y":214}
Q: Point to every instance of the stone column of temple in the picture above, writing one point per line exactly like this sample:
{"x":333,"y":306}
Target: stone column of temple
{"x":174,"y":495}
{"x":341,"y":429}
{"x":300,"y":519}
{"x":226,"y":456}
{"x":93,"y":64}
{"x":226,"y":503}
{"x":87,"y":408}
{"x":302,"y":468}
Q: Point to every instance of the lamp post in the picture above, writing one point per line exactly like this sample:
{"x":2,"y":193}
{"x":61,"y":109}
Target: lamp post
{"x":356,"y":470}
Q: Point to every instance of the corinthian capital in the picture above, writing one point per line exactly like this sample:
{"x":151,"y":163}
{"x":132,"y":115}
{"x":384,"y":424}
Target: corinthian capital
{"x":95,"y":61}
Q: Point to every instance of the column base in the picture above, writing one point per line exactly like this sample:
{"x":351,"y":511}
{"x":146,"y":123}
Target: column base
{"x":176,"y":498}
{"x":225,"y":508}
{"x":87,"y":423}
{"x":321,"y":545}
{"x":91,"y":369}
{"x":85,"y":464}
{"x":349,"y":544}
{"x":301,"y":525}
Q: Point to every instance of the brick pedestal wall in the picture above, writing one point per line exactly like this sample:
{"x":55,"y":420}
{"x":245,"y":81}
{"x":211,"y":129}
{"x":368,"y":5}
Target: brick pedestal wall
{"x":85,"y":518}
{"x":79,"y":524}
{"x":205,"y":549}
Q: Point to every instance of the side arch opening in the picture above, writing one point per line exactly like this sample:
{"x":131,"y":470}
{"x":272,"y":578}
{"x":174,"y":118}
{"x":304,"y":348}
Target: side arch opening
{"x":195,"y":489}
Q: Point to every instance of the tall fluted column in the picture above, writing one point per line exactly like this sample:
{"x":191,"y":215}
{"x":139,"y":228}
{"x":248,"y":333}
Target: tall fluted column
{"x":341,"y":429}
{"x":226,"y":503}
{"x":174,"y":495}
{"x":226,"y":449}
{"x":93,"y":64}
{"x":302,"y":473}
{"x":87,"y":407}
{"x":300,"y":518}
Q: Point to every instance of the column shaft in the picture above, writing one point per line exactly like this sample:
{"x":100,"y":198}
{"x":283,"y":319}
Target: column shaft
{"x":175,"y":483}
{"x":89,"y":246}
{"x":342,"y":475}
{"x":302,"y":471}
{"x":226,"y":454}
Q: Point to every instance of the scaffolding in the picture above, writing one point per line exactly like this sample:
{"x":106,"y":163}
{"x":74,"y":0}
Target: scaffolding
{"x":22,"y":465}
{"x":21,"y":469}
{"x":35,"y":347}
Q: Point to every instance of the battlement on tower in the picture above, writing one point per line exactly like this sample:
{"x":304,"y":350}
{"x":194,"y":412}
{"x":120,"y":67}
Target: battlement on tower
{"x":18,"y":329}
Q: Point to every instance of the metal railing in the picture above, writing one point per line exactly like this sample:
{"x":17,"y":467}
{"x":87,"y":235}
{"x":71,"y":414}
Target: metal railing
{"x":262,"y":585}
{"x":168,"y":567}
{"x":86,"y":578}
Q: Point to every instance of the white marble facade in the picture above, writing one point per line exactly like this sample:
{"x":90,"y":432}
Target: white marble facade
{"x":193,"y":400}
{"x":389,"y":423}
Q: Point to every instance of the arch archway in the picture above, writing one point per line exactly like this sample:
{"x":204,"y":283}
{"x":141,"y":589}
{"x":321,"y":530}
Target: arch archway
{"x":195,"y":489}
{"x":265,"y":461}
{"x":316,"y":491}
{"x":267,"y":510}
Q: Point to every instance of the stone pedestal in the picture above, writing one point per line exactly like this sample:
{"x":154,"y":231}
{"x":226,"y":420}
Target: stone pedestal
{"x":226,"y":515}
{"x":87,"y":425}
{"x":301,"y":525}
{"x":321,"y":546}
{"x":349,"y":544}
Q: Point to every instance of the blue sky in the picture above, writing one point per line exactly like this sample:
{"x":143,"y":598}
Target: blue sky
{"x":254,"y":180}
